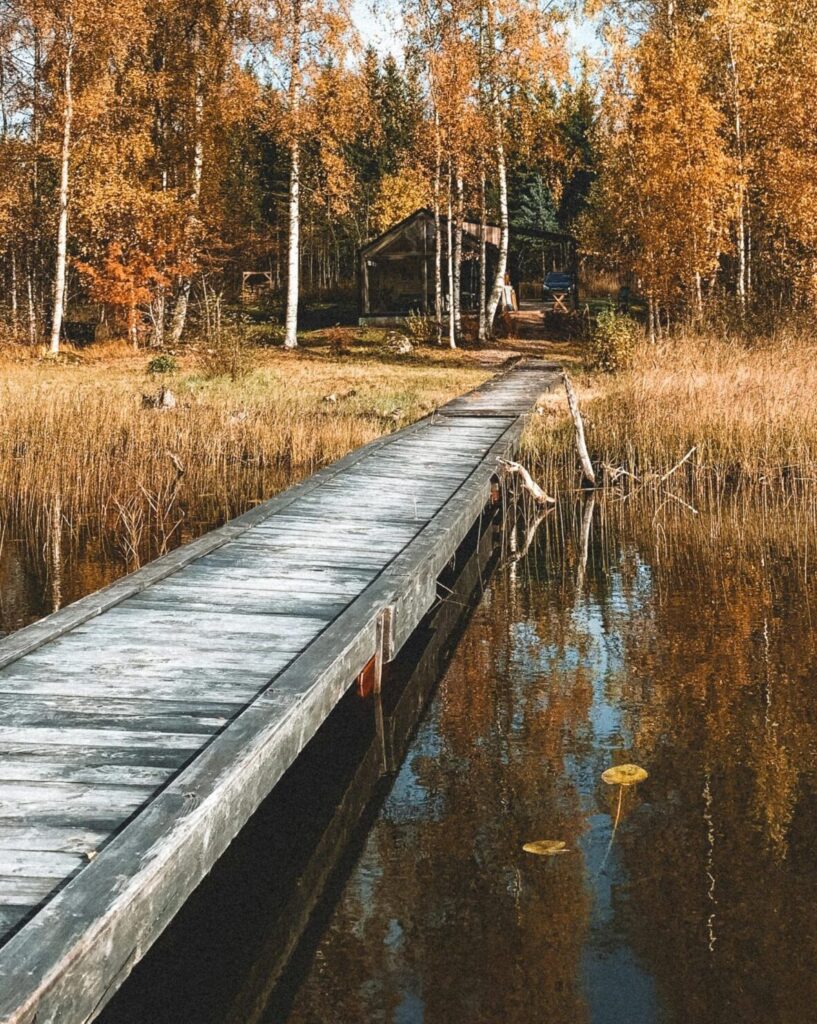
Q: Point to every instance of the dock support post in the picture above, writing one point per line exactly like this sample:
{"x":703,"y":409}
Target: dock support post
{"x":382,"y":636}
{"x":380,"y":632}
{"x":370,"y":678}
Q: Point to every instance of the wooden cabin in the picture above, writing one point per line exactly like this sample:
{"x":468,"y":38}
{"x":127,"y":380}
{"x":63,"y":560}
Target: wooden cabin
{"x":396,"y":269}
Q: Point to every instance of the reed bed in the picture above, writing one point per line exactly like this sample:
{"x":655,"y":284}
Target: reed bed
{"x":746,"y":413}
{"x":80,"y":437}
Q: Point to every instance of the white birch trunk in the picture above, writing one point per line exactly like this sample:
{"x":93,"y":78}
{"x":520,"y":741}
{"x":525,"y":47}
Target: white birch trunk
{"x":438,"y":238}
{"x":294,"y":241}
{"x":452,"y":332}
{"x":502,"y":266}
{"x":293,"y":247}
{"x":62,"y":222}
{"x":458,"y":255}
{"x":483,"y":270}
{"x":14,"y":313}
{"x":741,"y":251}
{"x":32,"y":308}
{"x":183,"y":293}
{"x":740,"y":284}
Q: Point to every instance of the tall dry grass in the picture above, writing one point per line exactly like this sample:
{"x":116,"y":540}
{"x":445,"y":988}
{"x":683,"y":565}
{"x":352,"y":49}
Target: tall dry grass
{"x":146,"y":478}
{"x":747,"y":410}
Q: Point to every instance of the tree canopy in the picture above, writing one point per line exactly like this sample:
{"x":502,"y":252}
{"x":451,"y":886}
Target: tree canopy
{"x":147,"y":148}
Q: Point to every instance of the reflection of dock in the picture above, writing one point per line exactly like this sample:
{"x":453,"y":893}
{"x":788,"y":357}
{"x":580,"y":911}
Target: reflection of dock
{"x":302,"y":839}
{"x":144,"y":724}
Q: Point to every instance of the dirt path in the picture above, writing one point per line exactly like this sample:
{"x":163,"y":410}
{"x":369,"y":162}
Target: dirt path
{"x":531,"y":333}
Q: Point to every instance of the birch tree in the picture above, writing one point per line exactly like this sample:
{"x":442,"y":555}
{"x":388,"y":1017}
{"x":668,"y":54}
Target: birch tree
{"x":520,"y":49}
{"x":196,"y":49}
{"x":455,"y":75}
{"x":76,"y":50}
{"x":65,"y":43}
{"x":446,"y":35}
{"x":302,"y":38}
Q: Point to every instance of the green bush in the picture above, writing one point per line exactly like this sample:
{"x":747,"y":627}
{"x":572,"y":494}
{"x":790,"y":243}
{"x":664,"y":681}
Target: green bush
{"x":162,"y":364}
{"x":613,"y":341}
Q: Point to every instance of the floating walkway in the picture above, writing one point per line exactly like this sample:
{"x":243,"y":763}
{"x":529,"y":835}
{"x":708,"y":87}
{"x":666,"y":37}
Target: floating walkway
{"x":144,"y":724}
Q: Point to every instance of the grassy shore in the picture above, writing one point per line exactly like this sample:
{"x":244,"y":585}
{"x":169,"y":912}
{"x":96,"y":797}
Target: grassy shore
{"x":747,"y":411}
{"x":719,"y":434}
{"x":77,"y":432}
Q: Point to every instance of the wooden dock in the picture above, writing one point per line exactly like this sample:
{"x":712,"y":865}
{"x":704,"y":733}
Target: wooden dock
{"x":144,"y":724}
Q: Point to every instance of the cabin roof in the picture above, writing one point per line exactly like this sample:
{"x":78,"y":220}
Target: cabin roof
{"x":471,"y":230}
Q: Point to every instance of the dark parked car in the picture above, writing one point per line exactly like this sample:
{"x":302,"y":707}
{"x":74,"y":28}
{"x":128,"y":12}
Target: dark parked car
{"x":559,"y":292}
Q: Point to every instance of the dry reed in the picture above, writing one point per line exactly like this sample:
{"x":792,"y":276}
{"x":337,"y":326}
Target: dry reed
{"x":746,"y":410}
{"x":149,"y":477}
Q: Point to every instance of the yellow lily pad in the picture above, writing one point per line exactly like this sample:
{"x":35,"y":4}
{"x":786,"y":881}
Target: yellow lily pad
{"x":545,"y":847}
{"x":624,"y":775}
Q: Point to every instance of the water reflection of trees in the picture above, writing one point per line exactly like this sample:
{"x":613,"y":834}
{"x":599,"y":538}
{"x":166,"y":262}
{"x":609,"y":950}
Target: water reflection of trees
{"x":703,"y":653}
{"x":719,"y":687}
{"x":444,"y":911}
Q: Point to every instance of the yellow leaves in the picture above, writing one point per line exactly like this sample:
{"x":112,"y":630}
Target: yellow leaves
{"x":670,"y":179}
{"x":400,"y":194}
{"x":123,"y":281}
{"x":546,"y":847}
{"x":337,"y":180}
{"x":709,"y":134}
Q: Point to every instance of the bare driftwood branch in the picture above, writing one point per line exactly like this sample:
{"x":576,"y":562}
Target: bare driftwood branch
{"x":678,"y":465}
{"x":178,"y":465}
{"x":686,"y":505}
{"x":581,"y":444}
{"x":530,"y":485}
{"x":613,"y":474}
{"x":584,"y":548}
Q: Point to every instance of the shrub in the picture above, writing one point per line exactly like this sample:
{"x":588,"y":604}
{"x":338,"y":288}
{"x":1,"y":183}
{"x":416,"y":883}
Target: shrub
{"x":229,"y":353}
{"x":422,"y":329}
{"x":613,"y":341}
{"x":162,"y":364}
{"x":337,"y":338}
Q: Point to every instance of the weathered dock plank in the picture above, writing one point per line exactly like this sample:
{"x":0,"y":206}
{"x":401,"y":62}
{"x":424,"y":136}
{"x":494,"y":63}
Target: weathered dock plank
{"x":142,"y":726}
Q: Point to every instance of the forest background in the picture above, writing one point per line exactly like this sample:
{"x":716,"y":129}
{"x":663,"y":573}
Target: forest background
{"x":152,"y":151}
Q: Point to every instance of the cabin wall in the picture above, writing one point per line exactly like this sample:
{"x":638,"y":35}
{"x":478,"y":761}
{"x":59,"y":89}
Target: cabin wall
{"x":396,"y":270}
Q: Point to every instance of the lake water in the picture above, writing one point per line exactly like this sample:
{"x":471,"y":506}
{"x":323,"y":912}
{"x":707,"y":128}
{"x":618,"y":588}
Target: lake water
{"x":695,"y":663}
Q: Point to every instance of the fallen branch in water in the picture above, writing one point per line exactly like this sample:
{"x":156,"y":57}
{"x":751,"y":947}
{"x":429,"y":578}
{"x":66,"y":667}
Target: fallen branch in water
{"x":520,"y":552}
{"x":530,"y":485}
{"x":686,"y":505}
{"x":584,"y":547}
{"x":678,"y":465}
{"x":612,"y":474}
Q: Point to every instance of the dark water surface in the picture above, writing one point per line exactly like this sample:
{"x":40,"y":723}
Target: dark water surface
{"x":696,"y":663}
